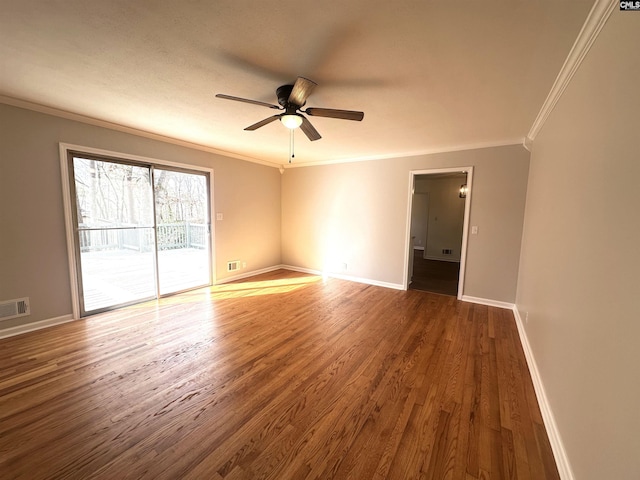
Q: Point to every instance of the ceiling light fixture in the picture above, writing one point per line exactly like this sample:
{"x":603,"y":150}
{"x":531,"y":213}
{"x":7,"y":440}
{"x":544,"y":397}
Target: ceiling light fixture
{"x":291,"y":121}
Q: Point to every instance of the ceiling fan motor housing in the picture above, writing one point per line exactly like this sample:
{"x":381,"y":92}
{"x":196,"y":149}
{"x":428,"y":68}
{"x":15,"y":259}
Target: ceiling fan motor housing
{"x":283,"y":94}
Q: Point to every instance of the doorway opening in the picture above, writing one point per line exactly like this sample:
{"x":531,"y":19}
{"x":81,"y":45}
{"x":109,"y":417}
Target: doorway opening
{"x":437,"y":230}
{"x":137,"y":230}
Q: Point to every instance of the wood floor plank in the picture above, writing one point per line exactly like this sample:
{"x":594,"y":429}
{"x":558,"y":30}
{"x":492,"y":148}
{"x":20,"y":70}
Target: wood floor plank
{"x":281,"y":376}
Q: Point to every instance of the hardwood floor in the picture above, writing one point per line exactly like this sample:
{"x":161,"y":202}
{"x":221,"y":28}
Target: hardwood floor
{"x":435,"y":276}
{"x":281,"y":377}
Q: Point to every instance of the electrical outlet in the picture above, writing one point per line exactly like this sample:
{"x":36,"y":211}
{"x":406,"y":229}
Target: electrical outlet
{"x":526,"y":317}
{"x":244,"y":264}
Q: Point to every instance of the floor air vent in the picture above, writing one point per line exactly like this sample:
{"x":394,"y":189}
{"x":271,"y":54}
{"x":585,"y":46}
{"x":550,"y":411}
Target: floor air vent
{"x":14,"y":308}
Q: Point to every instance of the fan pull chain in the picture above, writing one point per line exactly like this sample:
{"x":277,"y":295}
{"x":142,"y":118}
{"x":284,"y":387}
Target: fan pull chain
{"x":292,"y":154}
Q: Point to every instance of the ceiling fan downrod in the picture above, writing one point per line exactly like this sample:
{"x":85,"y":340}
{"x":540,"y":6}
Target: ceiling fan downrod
{"x":292,"y":154}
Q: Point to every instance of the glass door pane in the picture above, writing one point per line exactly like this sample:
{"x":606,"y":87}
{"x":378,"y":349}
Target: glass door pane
{"x":182,"y":226}
{"x":116,"y":242}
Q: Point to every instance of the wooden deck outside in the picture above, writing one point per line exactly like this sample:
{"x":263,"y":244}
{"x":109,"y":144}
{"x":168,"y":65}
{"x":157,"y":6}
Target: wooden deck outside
{"x":115,"y":277}
{"x":283,"y":376}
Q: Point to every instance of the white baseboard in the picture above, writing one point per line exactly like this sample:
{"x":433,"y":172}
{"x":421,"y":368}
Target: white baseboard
{"x":562,"y":461}
{"x":367,"y":281}
{"x":442,"y":259}
{"x":487,"y":301}
{"x":30,"y":327}
{"x":240,"y":276}
{"x":350,"y":278}
{"x":301,"y":269}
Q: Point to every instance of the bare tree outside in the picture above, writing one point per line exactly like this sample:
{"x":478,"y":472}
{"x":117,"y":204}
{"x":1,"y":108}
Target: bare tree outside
{"x":112,"y":194}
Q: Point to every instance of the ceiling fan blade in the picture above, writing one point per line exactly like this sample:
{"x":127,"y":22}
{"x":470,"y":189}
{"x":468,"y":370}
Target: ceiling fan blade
{"x":301,"y":91}
{"x":246,"y":100}
{"x":311,"y":133}
{"x":262,"y":123}
{"x":332,"y":113}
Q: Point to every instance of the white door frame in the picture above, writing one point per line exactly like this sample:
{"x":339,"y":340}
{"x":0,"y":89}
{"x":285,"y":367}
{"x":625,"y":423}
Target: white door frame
{"x":68,"y":203}
{"x":465,"y":224}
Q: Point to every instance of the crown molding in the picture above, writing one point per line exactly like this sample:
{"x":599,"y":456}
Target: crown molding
{"x":593,"y":24}
{"x":56,"y":112}
{"x":432,"y":151}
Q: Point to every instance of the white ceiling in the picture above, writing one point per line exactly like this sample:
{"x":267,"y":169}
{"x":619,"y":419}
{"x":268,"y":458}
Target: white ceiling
{"x":429,"y":75}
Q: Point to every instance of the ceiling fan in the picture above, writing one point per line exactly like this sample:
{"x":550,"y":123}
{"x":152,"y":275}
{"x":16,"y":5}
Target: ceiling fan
{"x":291,"y":99}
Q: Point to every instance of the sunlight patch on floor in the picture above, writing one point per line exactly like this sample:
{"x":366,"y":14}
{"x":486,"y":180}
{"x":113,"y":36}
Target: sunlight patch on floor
{"x":242,"y":289}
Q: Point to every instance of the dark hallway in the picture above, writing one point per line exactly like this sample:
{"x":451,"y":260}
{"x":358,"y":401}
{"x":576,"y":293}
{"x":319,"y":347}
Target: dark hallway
{"x":434,"y":275}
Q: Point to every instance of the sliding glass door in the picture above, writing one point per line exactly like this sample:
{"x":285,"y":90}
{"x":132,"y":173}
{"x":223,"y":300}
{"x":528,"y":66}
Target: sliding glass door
{"x":182,"y":226}
{"x":140,"y":231}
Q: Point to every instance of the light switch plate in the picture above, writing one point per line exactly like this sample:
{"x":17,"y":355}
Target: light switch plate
{"x":219,"y":216}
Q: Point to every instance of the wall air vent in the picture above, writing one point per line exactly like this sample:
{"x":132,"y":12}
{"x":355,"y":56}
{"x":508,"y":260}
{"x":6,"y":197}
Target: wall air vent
{"x":233,"y":266}
{"x":14,"y":308}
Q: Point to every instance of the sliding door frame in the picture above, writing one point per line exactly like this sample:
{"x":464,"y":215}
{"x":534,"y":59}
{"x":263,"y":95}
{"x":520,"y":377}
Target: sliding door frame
{"x":65,"y":150}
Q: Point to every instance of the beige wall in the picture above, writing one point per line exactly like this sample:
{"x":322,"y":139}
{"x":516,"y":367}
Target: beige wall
{"x":580,"y":258}
{"x":33,"y":251}
{"x":356,"y":213}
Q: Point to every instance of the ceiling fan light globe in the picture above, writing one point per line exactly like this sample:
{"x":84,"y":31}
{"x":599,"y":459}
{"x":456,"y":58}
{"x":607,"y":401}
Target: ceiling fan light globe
{"x":291,"y":121}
